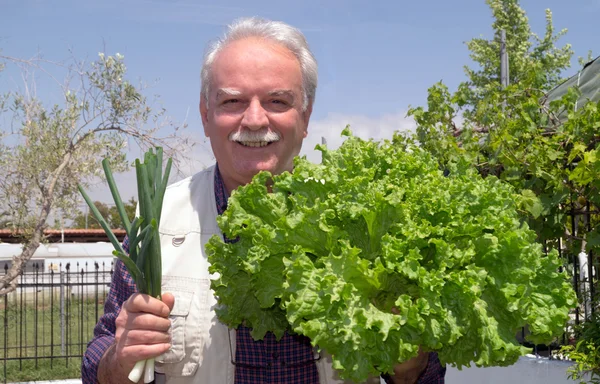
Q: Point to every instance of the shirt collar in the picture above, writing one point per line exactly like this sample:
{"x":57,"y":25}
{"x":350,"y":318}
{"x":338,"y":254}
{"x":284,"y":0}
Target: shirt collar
{"x":220,"y":192}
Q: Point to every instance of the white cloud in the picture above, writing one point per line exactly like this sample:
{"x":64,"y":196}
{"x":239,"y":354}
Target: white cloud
{"x":381,"y":127}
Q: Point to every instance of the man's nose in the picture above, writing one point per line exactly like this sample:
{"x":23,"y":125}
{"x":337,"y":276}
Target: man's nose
{"x":255,"y":116}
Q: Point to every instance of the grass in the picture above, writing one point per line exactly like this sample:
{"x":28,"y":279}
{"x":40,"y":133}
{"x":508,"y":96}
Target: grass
{"x":36,"y":328}
{"x":27,"y":370}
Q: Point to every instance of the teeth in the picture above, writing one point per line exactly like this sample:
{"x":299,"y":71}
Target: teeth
{"x":254,"y":143}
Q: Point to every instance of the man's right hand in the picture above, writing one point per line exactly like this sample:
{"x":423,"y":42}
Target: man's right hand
{"x":142,"y":332}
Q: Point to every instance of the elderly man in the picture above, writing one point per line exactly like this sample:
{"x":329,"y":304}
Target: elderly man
{"x":258,"y":88}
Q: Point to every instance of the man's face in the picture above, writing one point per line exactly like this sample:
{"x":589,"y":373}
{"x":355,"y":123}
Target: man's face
{"x":254,"y":116}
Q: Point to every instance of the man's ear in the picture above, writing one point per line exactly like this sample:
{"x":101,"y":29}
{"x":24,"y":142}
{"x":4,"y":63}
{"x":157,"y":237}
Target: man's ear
{"x":306,"y":114}
{"x":204,"y":113}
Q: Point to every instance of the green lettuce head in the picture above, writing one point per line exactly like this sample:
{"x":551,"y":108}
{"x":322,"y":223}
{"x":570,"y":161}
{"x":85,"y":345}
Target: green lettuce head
{"x":375,"y":253}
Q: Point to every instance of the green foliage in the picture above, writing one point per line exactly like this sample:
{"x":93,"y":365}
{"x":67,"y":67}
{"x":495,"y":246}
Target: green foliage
{"x":144,"y":259}
{"x":525,"y":144}
{"x":586,"y":353}
{"x":375,"y":253}
{"x":527,"y":52}
{"x":63,"y":140}
{"x":52,"y":147}
{"x":28,"y":372}
{"x":4,"y":220}
{"x":546,"y":150}
{"x":553,"y":163}
{"x":584,"y":60}
{"x":111,"y":214}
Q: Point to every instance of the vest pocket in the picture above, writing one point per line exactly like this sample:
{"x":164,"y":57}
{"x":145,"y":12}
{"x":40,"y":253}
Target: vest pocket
{"x":188,"y":321}
{"x":178,"y":317}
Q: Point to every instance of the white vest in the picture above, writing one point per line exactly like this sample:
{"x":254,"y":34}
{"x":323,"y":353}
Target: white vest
{"x":202,"y":347}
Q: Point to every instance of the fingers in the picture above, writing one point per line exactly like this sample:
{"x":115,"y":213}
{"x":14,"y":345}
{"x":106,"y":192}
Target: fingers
{"x":143,"y":303}
{"x":142,"y":312}
{"x":144,"y":337}
{"x":131,"y":354}
{"x":143,"y":321}
{"x":142,"y":328}
{"x":134,"y":345}
{"x":169,"y":300}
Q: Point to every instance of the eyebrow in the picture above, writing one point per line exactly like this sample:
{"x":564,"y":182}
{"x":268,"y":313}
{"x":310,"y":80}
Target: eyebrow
{"x":282,"y":92}
{"x":275,"y":93}
{"x":228,"y":92}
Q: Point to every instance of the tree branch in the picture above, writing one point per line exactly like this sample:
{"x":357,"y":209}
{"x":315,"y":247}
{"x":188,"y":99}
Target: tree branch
{"x":8,"y":282}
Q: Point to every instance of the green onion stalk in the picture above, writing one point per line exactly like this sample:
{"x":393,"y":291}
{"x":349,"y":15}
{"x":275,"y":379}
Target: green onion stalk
{"x":144,"y":259}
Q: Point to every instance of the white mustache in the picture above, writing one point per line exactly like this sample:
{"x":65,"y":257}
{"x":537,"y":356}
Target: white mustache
{"x":254,"y":136}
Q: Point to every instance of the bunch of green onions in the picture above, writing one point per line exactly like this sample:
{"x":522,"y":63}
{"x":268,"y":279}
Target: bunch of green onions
{"x":144,"y":260}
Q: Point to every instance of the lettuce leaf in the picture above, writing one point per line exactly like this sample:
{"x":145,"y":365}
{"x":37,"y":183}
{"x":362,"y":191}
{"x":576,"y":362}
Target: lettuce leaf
{"x":376,"y":252}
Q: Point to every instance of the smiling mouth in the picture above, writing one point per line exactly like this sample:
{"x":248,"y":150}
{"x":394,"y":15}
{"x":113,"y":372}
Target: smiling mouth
{"x":255,"y":144}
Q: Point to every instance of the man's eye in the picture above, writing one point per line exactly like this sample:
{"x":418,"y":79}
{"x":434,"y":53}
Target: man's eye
{"x":230,"y":101}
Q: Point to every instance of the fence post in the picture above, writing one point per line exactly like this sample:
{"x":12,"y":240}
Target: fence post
{"x":97,"y":281}
{"x":22,"y":323}
{"x":575,"y":261}
{"x":590,"y":255}
{"x":5,"y":326}
{"x":36,"y":308}
{"x":81,"y":311}
{"x":31,"y":324}
{"x":69,"y":331}
{"x":51,"y":315}
{"x":62,"y":311}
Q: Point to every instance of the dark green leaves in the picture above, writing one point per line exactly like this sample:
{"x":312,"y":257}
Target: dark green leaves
{"x":144,"y":261}
{"x":375,"y":253}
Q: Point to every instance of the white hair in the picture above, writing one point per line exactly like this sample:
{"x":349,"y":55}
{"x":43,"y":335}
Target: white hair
{"x":276,"y":31}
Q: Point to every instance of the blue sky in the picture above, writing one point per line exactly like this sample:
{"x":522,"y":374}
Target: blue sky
{"x":375,"y":57}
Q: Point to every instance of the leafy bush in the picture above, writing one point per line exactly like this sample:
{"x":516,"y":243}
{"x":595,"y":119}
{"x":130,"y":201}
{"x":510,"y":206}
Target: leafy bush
{"x":586,"y":353}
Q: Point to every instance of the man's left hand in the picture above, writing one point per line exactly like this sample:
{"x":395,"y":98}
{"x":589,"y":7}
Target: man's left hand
{"x":409,"y":371}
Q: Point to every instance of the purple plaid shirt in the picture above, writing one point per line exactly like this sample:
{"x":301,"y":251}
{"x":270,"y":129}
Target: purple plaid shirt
{"x":290,"y":360}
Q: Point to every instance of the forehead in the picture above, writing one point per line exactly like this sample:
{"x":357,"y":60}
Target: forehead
{"x":253,"y":64}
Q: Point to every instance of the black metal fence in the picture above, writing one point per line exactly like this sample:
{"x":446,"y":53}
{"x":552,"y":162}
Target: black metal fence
{"x":582,"y":265}
{"x":50,"y":318}
{"x":583,"y":220}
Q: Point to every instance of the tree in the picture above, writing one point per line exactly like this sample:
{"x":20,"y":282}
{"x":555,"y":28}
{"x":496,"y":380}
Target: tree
{"x":111,"y":214}
{"x":547,"y":150}
{"x":115,"y":218}
{"x":535,"y":67}
{"x":82,"y":220}
{"x":527,"y":52}
{"x":49,"y":149}
{"x":4,"y":220}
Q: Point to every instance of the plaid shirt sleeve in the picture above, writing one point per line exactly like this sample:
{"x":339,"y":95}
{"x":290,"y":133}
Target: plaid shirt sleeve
{"x":121,"y":287}
{"x":435,"y":371}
